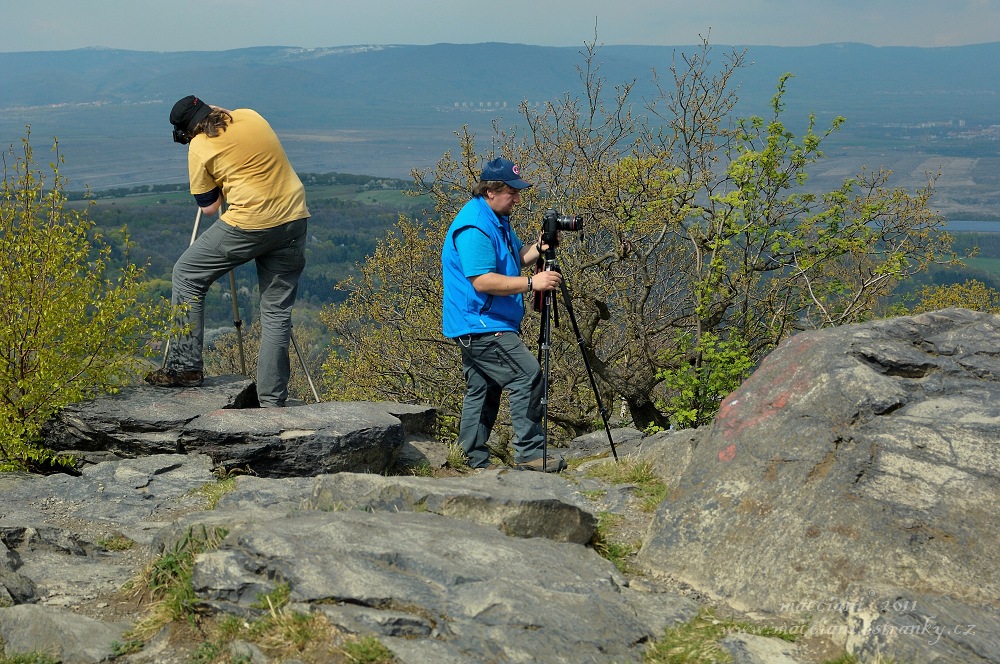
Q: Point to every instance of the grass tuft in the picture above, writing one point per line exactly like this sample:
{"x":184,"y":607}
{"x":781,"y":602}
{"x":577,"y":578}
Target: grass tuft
{"x":116,"y":542}
{"x":166,"y":582}
{"x":650,"y":488}
{"x":367,"y":650}
{"x":456,"y":458}
{"x":29,"y":658}
{"x":697,"y":641}
{"x":610,"y":549}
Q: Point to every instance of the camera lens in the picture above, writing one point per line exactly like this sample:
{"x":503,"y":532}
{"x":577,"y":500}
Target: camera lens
{"x":568,"y":222}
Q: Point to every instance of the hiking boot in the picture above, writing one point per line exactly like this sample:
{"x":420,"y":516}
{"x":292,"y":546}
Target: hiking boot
{"x":552,"y":464}
{"x":171,"y":378}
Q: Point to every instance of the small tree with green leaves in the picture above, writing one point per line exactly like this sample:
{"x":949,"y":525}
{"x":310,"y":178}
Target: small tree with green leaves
{"x":700,"y":230}
{"x":393,"y":305}
{"x":712,"y":369}
{"x":69,"y":327}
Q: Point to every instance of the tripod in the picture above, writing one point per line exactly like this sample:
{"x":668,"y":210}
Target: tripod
{"x":546,"y":304}
{"x":238,"y":323}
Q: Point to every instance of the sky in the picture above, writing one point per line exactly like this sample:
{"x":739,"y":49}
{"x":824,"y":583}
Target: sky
{"x":215,"y":25}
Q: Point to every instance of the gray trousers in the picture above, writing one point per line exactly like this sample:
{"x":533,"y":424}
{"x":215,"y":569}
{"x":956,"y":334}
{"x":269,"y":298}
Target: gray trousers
{"x":492,"y":364}
{"x":280,"y":257}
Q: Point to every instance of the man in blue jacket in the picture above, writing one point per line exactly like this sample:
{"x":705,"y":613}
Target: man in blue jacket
{"x":483,"y":306}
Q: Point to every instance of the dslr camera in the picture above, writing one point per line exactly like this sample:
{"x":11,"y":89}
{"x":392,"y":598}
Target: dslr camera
{"x":553,"y":222}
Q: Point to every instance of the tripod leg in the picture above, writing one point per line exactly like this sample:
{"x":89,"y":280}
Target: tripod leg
{"x":238,"y":323}
{"x":305,"y":369}
{"x":544,"y":344}
{"x":586,"y":362}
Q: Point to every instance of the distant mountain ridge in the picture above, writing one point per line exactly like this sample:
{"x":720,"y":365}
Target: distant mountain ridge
{"x":384,"y":109}
{"x":428,"y":75}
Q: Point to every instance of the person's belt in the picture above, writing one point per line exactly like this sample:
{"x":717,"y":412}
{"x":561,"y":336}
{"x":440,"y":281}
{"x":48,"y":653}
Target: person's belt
{"x":473,"y":337}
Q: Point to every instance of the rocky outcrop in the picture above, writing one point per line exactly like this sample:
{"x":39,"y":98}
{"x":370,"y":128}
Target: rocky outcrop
{"x":491,"y":566}
{"x":847,"y":490}
{"x":221,"y":420}
{"x":854,"y":480}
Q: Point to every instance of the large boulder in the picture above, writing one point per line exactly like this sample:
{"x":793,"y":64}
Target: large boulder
{"x":221,"y":419}
{"x":141,"y":420}
{"x":854,"y":479}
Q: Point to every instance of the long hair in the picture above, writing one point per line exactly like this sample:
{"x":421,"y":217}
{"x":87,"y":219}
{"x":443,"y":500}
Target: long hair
{"x":214,"y":123}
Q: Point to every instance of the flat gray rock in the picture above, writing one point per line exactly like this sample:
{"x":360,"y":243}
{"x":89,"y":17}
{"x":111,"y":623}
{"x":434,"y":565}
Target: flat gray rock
{"x":222,"y":420}
{"x":71,"y":638}
{"x":478,"y":592}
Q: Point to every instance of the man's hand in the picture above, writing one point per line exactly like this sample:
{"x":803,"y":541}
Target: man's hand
{"x":532,"y":253}
{"x":546,"y":281}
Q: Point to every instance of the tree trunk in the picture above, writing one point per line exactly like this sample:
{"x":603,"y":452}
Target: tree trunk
{"x":645,"y":413}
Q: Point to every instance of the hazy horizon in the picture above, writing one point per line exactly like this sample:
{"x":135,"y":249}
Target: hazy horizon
{"x":215,"y":25}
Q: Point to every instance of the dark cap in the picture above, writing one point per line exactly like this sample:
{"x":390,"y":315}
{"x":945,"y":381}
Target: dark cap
{"x":188,"y":112}
{"x":506,"y":171}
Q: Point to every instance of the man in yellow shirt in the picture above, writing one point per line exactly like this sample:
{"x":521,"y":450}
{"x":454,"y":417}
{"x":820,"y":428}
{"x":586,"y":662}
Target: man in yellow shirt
{"x":234,"y":157}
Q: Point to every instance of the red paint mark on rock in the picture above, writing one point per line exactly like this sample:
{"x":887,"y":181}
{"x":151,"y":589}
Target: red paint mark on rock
{"x":781,"y":401}
{"x":727,"y":454}
{"x":782,"y":378}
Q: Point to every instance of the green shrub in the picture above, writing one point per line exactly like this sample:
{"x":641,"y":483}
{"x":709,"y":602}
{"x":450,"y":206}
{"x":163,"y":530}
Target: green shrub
{"x":697,"y":387}
{"x":69,"y":326}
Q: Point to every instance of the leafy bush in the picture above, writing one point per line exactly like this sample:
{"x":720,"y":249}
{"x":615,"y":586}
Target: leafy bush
{"x":698,"y":221}
{"x":69,"y":326}
{"x":716,"y":367}
{"x":971,"y":294}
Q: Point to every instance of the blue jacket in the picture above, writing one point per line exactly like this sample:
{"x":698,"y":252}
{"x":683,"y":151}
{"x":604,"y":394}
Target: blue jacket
{"x":464,"y":310}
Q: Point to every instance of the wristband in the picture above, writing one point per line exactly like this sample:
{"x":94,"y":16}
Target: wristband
{"x":529,"y":283}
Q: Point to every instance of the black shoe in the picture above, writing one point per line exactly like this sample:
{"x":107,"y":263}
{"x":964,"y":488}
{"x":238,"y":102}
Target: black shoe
{"x":171,"y":378}
{"x":551,"y":464}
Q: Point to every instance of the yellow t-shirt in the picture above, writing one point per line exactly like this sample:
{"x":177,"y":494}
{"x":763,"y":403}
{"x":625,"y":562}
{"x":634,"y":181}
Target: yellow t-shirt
{"x":248,"y":164}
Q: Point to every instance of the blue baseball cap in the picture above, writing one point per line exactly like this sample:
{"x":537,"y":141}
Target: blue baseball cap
{"x":504,"y":170}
